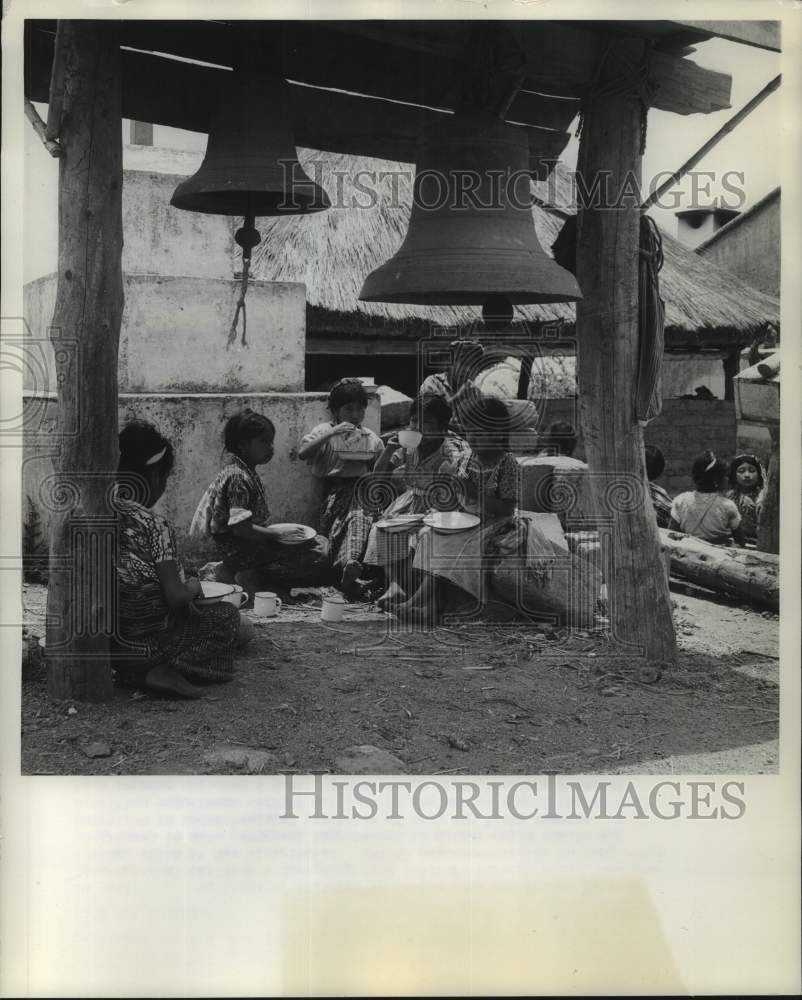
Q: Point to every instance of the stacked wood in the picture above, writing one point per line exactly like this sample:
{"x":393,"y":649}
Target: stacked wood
{"x":748,"y":575}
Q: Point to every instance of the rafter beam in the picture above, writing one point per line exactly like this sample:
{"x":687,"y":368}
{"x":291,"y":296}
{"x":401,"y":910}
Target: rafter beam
{"x":181,"y":95}
{"x":421,"y":65}
{"x":760,"y":34}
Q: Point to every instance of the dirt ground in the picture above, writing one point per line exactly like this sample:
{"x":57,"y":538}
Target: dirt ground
{"x":468,"y":699}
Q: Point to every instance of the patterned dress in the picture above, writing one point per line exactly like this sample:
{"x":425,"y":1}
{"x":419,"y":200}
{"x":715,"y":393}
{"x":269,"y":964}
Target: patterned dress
{"x":466,"y":557}
{"x":661,"y":502}
{"x":749,"y":505}
{"x":240,"y":486}
{"x":434,"y":482}
{"x":522,"y":559}
{"x":197,"y":640}
{"x":346,"y":516}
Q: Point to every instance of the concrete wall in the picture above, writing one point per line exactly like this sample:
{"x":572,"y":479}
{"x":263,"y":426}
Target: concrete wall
{"x":180,"y":295}
{"x":194,"y":424}
{"x":682,"y":373}
{"x":684,"y":429}
{"x":751,"y":248}
{"x":160,"y":239}
{"x":692,"y":230}
{"x":174,"y":335}
{"x":754,"y":439}
{"x":157,"y":237}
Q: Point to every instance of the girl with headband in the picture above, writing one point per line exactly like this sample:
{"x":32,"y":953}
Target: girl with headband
{"x":162,"y":638}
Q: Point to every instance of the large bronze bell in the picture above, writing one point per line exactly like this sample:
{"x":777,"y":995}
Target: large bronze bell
{"x":471,"y":238}
{"x":251,"y":165}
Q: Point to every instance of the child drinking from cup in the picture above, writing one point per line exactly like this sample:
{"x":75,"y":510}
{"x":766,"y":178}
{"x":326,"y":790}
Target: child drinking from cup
{"x":428,"y":476}
{"x":340,"y":451}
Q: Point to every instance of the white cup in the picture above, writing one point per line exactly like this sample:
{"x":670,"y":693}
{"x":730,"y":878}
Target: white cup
{"x":409,"y":438}
{"x":266,"y":604}
{"x":332,"y":610}
{"x":239,"y":598}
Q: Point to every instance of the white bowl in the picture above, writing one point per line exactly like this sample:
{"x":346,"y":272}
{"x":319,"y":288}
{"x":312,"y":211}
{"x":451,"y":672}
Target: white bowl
{"x":213,"y":592}
{"x":308,"y":534}
{"x":451,"y":520}
{"x":400,"y":522}
{"x":409,"y":439}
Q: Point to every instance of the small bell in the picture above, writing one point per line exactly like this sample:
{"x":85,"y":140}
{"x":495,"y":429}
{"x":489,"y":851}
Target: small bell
{"x":251,"y":164}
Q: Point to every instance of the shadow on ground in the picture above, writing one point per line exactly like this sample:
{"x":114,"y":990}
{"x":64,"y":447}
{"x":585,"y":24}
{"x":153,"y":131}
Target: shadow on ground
{"x":466,"y":700}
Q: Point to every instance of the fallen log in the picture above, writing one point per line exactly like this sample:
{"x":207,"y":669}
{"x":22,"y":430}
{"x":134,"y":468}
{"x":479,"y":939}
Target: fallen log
{"x":745,"y":574}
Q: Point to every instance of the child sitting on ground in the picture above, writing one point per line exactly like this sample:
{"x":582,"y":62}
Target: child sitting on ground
{"x":661,"y":501}
{"x":163,"y":639}
{"x":747,"y":483}
{"x":234,"y":513}
{"x":704,"y":512}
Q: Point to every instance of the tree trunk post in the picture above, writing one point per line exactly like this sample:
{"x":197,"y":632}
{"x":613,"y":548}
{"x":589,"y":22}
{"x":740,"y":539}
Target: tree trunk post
{"x":89,"y":304}
{"x":607,"y":356}
{"x":768,"y":529}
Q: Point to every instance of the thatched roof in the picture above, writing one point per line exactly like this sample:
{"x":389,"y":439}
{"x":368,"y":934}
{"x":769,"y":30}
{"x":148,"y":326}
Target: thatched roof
{"x":333,"y":251}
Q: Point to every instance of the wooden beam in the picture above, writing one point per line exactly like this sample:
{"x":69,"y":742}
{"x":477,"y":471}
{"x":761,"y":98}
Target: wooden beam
{"x":179,"y":95}
{"x":561,"y":60}
{"x":747,"y":575}
{"x":323,"y":54}
{"x":607,"y":352}
{"x":760,"y":34}
{"x":563,"y":57}
{"x":88,"y":311}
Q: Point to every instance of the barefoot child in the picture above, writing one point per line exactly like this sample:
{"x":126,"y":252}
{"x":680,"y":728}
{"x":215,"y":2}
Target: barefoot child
{"x":234,"y":513}
{"x":343,"y":518}
{"x":505,"y":565}
{"x":162,"y":638}
{"x":461,"y":564}
{"x":430,"y":477}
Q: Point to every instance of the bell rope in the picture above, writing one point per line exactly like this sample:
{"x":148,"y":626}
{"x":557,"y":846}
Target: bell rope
{"x":247,"y":237}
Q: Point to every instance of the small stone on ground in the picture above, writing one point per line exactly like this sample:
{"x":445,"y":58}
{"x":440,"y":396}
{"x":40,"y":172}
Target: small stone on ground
{"x":368,"y":760}
{"x":252,"y":760}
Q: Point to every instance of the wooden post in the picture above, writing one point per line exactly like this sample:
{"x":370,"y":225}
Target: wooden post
{"x":768,"y":528}
{"x":731,"y":361}
{"x":607,"y":354}
{"x":89,"y":304}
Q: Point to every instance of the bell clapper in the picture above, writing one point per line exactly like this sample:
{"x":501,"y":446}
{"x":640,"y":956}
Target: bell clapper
{"x":247,"y":237}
